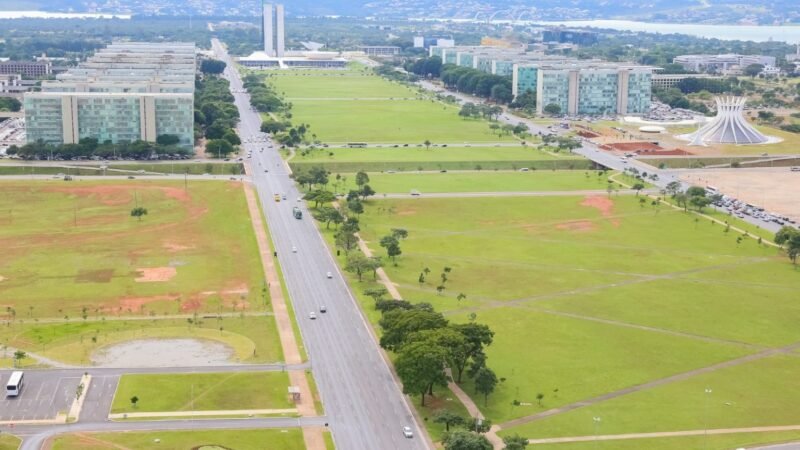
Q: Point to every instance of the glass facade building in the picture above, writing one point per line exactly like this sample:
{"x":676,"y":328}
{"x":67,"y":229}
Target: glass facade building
{"x":126,"y":92}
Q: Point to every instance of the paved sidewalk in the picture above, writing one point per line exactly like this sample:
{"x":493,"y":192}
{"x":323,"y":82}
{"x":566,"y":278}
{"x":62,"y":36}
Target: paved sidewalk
{"x":228,"y":412}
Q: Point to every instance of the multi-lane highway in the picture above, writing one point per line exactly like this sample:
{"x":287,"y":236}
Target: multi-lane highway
{"x":363,"y":402}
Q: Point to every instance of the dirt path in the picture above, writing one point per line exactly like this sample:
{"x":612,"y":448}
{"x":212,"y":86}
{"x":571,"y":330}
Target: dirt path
{"x":384,"y":279}
{"x":652,"y":384}
{"x":291,"y":352}
{"x":615,"y":437}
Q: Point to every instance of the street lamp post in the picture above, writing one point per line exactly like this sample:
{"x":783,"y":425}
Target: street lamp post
{"x":596,"y":421}
{"x":708,"y":392}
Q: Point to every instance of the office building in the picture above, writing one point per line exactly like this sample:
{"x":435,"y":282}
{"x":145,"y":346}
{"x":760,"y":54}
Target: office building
{"x":564,"y":36}
{"x":29,"y":69}
{"x":664,"y":81}
{"x":586,"y":88}
{"x":275,"y":56}
{"x":125,"y":92}
{"x":428,"y":42}
{"x":380,"y":51}
{"x":729,"y":64}
{"x":272,"y":29}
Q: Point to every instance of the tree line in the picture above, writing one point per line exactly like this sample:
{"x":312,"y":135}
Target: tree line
{"x":215,"y":115}
{"x":88,"y":148}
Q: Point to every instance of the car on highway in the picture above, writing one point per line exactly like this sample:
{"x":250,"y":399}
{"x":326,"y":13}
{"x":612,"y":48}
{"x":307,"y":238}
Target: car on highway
{"x":329,"y":275}
{"x":323,"y":309}
{"x":407,"y":432}
{"x":283,"y":196}
{"x":294,"y":249}
{"x":312,"y":315}
{"x":277,"y":197}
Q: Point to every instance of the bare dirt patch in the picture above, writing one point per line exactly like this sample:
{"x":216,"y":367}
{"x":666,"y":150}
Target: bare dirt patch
{"x":2,"y":278}
{"x":155,"y":274}
{"x":164,"y":353}
{"x":576,"y":225}
{"x":136,"y":303}
{"x":603,"y":204}
{"x":94,"y":276}
{"x":174,"y":248}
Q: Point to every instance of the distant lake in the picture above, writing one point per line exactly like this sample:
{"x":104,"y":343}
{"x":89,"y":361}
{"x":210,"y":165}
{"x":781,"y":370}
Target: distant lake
{"x":57,"y":15}
{"x":757,"y":33}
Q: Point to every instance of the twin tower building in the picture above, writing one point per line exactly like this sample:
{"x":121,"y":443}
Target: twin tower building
{"x":272,"y":30}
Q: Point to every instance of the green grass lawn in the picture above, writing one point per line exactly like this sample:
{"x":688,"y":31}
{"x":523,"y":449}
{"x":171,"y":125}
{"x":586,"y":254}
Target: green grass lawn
{"x":9,"y":442}
{"x":759,"y":393}
{"x":413,"y":158}
{"x":202,"y":392}
{"x":538,"y":180}
{"x":298,"y":84}
{"x":73,"y":249}
{"x":711,"y":442}
{"x":252,"y":339}
{"x":591,"y":295}
{"x":344,"y":119}
{"x":405,"y":121}
{"x":265,"y":439}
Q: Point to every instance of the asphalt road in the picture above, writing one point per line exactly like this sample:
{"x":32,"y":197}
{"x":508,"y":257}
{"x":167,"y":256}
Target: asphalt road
{"x":364,"y":404}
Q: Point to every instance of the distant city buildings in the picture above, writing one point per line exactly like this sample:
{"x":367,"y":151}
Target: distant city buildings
{"x":730,"y":64}
{"x":433,"y":41}
{"x":29,"y":69}
{"x":664,"y":81}
{"x":275,"y":56}
{"x":590,"y":87}
{"x":380,"y":51}
{"x":564,"y":36}
{"x":126,"y":92}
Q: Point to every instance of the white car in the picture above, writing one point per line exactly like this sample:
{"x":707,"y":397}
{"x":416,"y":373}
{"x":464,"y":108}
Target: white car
{"x":294,"y":249}
{"x":329,"y":275}
{"x":323,"y":309}
{"x":407,"y":432}
{"x":312,"y":315}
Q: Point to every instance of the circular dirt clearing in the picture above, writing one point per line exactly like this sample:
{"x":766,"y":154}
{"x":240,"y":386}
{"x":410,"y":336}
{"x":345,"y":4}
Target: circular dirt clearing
{"x":164,"y":353}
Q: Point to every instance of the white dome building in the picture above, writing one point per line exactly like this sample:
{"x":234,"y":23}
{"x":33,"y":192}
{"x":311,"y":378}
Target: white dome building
{"x":728,"y":127}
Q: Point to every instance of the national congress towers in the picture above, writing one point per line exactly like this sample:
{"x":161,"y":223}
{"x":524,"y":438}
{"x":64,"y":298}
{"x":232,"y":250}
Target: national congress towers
{"x":272,"y":29}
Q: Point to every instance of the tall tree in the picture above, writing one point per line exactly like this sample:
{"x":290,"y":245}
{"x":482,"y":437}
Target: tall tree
{"x":477,"y":337}
{"x":392,"y":246}
{"x":361,"y":178}
{"x":485,"y":382}
{"x":466,"y":440}
{"x":448,"y":419}
{"x":398,"y":326}
{"x":420,"y":366}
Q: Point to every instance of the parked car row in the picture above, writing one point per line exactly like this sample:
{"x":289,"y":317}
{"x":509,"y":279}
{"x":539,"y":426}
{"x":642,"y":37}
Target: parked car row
{"x":741,"y":209}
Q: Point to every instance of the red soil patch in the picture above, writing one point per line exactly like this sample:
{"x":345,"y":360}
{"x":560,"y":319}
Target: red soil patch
{"x":155,"y":274}
{"x":588,"y":134}
{"x":576,"y":225}
{"x":635,"y":146}
{"x":191,"y":305}
{"x":174,"y":248}
{"x":603,"y":204}
{"x":118,"y":194}
{"x":136,"y":303}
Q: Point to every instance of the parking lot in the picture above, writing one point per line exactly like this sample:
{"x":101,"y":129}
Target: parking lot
{"x":44,"y":395}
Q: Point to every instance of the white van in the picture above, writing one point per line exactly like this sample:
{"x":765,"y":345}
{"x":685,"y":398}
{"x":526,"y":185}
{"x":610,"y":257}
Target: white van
{"x":15,"y":383}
